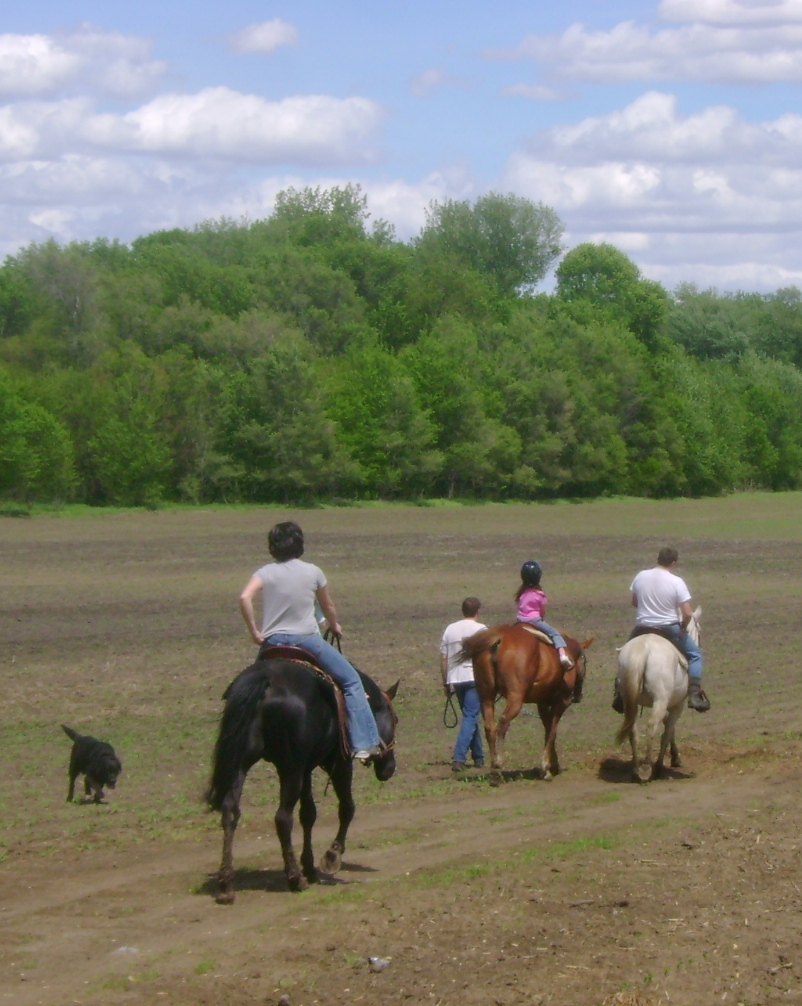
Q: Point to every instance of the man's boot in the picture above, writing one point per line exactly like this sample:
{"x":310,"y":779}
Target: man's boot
{"x":618,"y":698}
{"x":696,"y":697}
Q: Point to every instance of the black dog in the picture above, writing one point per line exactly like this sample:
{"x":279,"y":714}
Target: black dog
{"x":98,"y":762}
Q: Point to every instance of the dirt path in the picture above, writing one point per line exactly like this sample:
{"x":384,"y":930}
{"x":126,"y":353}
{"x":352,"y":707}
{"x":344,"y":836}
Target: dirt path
{"x":532,"y":892}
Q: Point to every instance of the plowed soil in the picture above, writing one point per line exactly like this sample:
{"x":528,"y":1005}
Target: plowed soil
{"x":587,"y":890}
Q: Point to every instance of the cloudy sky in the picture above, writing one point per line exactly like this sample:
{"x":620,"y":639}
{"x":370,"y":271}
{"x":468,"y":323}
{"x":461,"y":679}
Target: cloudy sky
{"x":672,"y":129}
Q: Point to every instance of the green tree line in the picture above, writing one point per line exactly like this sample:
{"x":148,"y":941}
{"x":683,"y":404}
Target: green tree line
{"x":312,"y":355}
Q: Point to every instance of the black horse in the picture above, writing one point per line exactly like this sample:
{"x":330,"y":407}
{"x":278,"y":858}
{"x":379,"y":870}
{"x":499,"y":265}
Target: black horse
{"x":281,"y":711}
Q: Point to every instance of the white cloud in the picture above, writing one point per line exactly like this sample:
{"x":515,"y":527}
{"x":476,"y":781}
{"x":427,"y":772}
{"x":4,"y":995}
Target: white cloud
{"x":430,"y":80}
{"x":766,"y":53}
{"x":650,"y":128}
{"x":219,"y":122}
{"x":91,"y":58}
{"x":215,"y":123}
{"x":535,"y":92}
{"x":34,"y":64}
{"x":265,"y":37}
{"x":679,"y":190}
{"x":732,"y":12}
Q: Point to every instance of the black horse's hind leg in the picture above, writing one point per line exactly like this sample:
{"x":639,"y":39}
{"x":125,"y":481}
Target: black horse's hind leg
{"x":308,"y":817}
{"x":341,"y":776}
{"x":230,"y":819}
{"x":292,"y":783}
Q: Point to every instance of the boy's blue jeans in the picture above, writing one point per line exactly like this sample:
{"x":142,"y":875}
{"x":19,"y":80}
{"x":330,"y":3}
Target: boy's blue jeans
{"x":470,"y":735}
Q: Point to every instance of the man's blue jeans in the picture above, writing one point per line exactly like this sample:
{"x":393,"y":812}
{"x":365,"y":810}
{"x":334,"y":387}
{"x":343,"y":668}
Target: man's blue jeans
{"x":361,"y":723}
{"x":689,"y":648}
{"x":469,"y":736}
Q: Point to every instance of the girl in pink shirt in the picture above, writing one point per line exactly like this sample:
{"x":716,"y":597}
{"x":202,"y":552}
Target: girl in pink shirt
{"x":532,"y":602}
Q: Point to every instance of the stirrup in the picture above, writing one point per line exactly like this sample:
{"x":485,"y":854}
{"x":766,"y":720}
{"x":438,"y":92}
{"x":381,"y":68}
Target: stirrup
{"x":698,"y":700}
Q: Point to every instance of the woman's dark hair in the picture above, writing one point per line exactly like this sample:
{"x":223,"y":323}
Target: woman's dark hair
{"x":285,"y":541}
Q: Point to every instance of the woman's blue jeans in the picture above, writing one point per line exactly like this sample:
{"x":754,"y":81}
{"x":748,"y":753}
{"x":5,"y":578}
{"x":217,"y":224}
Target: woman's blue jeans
{"x":470,"y":735}
{"x":361,"y":723}
{"x":550,"y":631}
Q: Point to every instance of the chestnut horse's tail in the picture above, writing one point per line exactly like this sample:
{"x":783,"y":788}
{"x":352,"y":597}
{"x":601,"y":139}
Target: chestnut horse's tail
{"x":481,"y":649}
{"x":235,"y":740}
{"x":479,"y":642}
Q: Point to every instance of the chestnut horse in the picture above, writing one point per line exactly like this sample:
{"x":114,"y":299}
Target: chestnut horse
{"x":521,"y":664}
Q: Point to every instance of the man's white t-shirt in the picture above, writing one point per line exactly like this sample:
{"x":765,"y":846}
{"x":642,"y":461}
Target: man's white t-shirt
{"x":451,"y":644}
{"x":288,"y":597}
{"x":659,"y":594}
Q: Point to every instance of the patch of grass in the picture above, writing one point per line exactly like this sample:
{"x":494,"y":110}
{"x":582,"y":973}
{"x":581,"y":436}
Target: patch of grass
{"x":204,"y":967}
{"x":11,"y":509}
{"x":342,"y":893}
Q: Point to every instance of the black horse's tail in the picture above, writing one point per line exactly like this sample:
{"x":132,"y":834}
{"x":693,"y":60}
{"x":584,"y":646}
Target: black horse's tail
{"x":242,"y":696}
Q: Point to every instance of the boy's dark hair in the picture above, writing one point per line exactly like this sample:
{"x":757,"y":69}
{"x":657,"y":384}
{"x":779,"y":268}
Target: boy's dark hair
{"x":666,"y":556}
{"x":471,"y":606}
{"x":285,"y":541}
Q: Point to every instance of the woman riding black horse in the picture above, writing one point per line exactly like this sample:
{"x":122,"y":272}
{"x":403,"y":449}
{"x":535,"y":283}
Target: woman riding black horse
{"x":282,"y":711}
{"x":290,"y":587}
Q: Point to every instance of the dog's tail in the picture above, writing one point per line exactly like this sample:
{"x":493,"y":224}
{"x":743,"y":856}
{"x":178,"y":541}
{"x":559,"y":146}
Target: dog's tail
{"x":73,"y":736}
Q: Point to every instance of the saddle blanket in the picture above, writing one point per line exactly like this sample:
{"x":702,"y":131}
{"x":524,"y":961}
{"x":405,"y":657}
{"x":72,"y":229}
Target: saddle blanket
{"x":536,"y":633}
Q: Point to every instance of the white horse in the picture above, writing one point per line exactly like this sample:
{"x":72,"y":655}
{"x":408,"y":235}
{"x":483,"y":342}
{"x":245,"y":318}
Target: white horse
{"x":652,"y":672}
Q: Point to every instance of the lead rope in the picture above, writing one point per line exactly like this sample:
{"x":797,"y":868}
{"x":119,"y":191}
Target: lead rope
{"x":450,"y":705}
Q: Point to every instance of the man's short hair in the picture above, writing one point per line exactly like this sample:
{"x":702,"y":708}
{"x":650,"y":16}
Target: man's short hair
{"x":285,"y":541}
{"x":666,"y":556}
{"x":471,"y":606}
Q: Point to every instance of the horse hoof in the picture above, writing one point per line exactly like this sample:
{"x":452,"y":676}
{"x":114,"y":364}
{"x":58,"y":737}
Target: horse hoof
{"x":225,"y":898}
{"x":643,"y":773}
{"x":676,"y":762}
{"x":657,"y":772}
{"x":298,"y":883}
{"x":547,"y":776}
{"x":331,"y":862}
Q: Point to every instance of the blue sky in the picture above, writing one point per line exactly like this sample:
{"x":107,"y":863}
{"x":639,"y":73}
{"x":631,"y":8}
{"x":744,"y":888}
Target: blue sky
{"x":670,"y":128}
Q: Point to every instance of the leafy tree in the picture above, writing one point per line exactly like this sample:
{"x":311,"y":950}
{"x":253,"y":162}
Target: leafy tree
{"x":280,"y":443}
{"x":708,"y":326}
{"x":319,"y":300}
{"x":505,"y":237}
{"x":380,"y":421}
{"x":36,"y":456}
{"x":479,"y":452}
{"x":599,"y":278}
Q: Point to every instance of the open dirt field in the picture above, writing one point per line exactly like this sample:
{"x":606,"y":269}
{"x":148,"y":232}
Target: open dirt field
{"x":585,"y":891}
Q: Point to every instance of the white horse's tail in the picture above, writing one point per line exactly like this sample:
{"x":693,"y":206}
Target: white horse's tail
{"x":631,"y":673}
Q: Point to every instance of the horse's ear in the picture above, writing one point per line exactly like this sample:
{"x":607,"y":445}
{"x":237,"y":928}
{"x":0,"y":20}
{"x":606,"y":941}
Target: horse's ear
{"x":587,"y":642}
{"x":392,"y":690}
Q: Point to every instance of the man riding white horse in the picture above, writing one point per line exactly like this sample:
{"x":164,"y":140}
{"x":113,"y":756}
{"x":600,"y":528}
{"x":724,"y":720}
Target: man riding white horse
{"x":663,"y":604}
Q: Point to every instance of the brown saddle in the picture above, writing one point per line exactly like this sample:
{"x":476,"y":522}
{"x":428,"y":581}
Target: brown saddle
{"x":302,"y":656}
{"x":655,"y":630}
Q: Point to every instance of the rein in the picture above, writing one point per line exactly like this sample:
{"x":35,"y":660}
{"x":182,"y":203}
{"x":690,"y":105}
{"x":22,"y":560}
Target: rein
{"x":334,"y":638}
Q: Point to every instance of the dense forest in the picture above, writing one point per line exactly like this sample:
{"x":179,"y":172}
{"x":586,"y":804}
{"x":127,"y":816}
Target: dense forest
{"x":312,"y":356}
